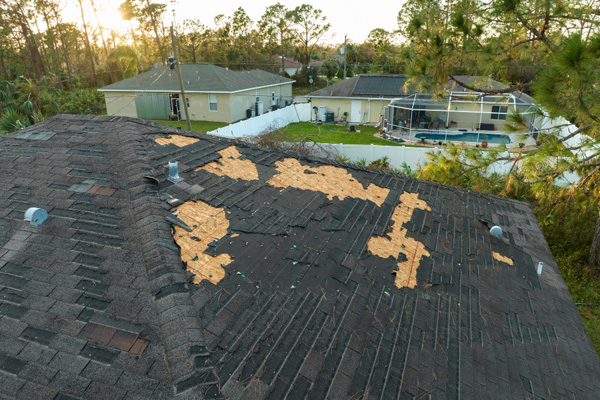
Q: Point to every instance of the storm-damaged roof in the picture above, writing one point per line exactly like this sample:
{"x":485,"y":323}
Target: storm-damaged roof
{"x":261,"y":274}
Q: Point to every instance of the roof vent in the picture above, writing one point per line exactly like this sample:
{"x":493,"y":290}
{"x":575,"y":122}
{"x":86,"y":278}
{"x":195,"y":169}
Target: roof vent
{"x":540,"y":267}
{"x":36,"y":216}
{"x":174,"y":171}
{"x":496,"y":231}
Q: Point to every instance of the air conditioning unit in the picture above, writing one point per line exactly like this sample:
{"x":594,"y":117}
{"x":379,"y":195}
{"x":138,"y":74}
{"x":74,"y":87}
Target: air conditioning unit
{"x":322,"y":114}
{"x":259,"y":108}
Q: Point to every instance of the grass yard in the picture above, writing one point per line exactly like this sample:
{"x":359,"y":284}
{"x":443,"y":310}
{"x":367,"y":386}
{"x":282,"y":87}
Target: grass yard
{"x":197,"y":126}
{"x":331,"y":133}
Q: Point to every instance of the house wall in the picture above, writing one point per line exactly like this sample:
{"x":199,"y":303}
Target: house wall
{"x":471,"y":120}
{"x":242,"y":101}
{"x":370,"y":109}
{"x":120,"y":103}
{"x":230,"y":107}
{"x":199,"y":110}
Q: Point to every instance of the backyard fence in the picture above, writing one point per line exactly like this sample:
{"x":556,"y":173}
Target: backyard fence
{"x":397,"y":155}
{"x":267,"y":122}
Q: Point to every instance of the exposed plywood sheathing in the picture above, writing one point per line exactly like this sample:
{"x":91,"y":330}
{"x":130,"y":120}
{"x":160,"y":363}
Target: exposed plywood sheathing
{"x":208,"y":223}
{"x":501,"y":258}
{"x":177,"y":140}
{"x":232,"y":165}
{"x":398,"y":242}
{"x":333,"y":181}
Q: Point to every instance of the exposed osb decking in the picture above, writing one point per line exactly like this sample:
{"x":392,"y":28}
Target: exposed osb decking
{"x":333,"y":181}
{"x":406,"y":274}
{"x":501,"y":258}
{"x":232,"y":165}
{"x":208,"y":223}
{"x":177,"y":140}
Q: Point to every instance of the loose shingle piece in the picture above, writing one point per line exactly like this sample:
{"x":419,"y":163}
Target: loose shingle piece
{"x":263,"y":274}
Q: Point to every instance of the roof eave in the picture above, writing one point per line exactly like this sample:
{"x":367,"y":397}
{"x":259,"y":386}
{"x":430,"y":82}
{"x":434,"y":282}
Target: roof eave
{"x":352,"y":97}
{"x":193,"y":91}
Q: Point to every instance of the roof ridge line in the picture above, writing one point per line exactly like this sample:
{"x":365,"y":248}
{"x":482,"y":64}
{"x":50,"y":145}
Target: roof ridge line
{"x":164,"y":274}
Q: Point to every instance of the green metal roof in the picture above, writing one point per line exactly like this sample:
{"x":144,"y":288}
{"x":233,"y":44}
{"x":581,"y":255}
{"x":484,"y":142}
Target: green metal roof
{"x":197,"y":78}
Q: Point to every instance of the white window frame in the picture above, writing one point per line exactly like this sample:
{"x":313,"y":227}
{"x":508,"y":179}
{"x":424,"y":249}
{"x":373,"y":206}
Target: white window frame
{"x":212,"y":97}
{"x":187,"y":102}
{"x":499,"y":113}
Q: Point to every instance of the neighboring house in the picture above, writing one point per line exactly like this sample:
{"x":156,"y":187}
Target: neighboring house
{"x":262,"y":274}
{"x":360,"y":99}
{"x":292,"y":67}
{"x":213,"y":93}
{"x":365,"y":99}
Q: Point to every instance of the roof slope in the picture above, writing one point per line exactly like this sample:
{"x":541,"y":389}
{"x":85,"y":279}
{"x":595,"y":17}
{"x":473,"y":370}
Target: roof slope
{"x":197,"y":78}
{"x":337,"y":281}
{"x":392,"y":86}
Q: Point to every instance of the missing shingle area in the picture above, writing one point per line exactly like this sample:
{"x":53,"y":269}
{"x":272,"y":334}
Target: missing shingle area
{"x":232,"y":165}
{"x":208,"y":224}
{"x":177,"y":140}
{"x":407,"y":251}
{"x":501,"y":258}
{"x":333,"y":181}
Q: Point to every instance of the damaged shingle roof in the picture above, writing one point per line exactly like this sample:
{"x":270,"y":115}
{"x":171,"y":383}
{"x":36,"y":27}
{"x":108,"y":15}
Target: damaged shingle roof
{"x":337,"y":281}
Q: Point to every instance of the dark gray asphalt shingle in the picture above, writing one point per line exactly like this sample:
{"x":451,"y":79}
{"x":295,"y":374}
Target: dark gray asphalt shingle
{"x":96,"y":304}
{"x":198,"y":78}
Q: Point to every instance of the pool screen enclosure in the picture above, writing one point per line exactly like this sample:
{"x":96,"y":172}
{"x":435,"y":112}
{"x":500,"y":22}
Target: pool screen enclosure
{"x":456,"y":114}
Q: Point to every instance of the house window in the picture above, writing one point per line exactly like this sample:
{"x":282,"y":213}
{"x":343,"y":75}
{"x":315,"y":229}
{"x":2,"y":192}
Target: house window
{"x":499,"y":112}
{"x":187,"y":102}
{"x":212,"y":102}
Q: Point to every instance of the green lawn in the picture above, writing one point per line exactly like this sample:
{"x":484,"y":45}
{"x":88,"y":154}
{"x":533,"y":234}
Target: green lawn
{"x":331,"y":133}
{"x":197,"y":126}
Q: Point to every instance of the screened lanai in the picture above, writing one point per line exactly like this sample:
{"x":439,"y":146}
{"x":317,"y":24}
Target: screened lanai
{"x":461,"y":116}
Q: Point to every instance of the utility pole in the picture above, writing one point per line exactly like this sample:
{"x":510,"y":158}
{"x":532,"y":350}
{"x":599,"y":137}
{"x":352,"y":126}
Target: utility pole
{"x":178,"y":69}
{"x":345,"y":37}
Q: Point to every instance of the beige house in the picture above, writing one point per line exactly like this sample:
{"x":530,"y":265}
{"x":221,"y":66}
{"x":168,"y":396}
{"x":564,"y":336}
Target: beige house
{"x":360,"y":99}
{"x":213,"y":94}
{"x":404,"y":113}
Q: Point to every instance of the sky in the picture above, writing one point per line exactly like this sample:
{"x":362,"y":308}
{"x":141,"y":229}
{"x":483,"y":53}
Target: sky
{"x":343,"y":15}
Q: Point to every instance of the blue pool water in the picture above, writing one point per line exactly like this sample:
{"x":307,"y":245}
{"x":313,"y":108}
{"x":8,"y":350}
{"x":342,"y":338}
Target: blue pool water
{"x":466,"y":137}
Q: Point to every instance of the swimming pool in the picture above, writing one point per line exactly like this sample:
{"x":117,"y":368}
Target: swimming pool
{"x":467,"y":137}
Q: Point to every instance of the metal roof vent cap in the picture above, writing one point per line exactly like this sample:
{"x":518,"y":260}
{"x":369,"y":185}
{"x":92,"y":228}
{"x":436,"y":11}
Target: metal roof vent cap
{"x":36,"y":216}
{"x":496,"y":231}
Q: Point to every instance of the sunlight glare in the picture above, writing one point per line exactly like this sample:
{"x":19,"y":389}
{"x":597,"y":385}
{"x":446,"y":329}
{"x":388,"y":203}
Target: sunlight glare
{"x":111,"y":19}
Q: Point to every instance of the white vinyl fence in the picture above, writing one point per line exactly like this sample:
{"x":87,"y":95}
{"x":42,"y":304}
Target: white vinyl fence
{"x":267,"y":122}
{"x":397,"y":155}
{"x":412,"y":157}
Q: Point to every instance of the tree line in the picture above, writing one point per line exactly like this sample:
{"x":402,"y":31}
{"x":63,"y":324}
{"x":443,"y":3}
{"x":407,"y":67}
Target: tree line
{"x":36,"y":41}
